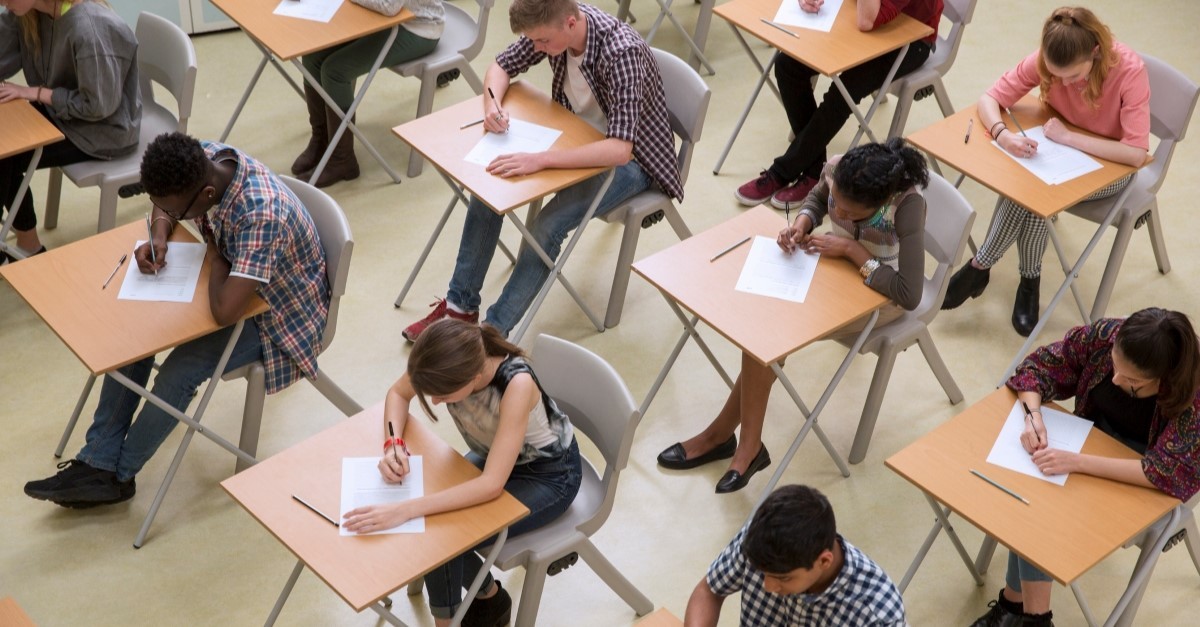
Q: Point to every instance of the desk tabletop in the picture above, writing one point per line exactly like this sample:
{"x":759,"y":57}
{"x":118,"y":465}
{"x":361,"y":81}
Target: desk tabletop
{"x":997,"y":171}
{"x":438,"y":138}
{"x":660,"y":618}
{"x":842,"y":48}
{"x":768,"y":329}
{"x":11,"y":614}
{"x":1065,"y":530}
{"x":290,"y":37}
{"x":105,"y":333}
{"x":364,"y":569}
{"x":23,"y":129}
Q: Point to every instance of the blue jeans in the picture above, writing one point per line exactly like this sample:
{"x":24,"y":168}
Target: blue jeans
{"x":559,"y":217}
{"x":118,"y":443}
{"x":546,"y":486}
{"x":1020,"y":570}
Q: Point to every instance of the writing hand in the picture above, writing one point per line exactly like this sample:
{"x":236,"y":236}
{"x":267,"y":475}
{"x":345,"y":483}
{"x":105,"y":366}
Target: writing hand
{"x":390,"y":469}
{"x":374,"y":518}
{"x":1054,"y":461}
{"x":142,"y":256}
{"x":1017,"y":145}
{"x":495,"y":120}
{"x":795,"y":235}
{"x":1033,"y":438}
{"x":516,"y":164}
{"x":811,"y":6}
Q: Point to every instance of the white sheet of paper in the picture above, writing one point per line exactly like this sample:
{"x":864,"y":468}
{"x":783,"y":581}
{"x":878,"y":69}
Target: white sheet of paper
{"x":522,"y":136}
{"x":771,"y":272}
{"x":175,"y":283}
{"x":314,"y":10}
{"x":790,"y":14}
{"x":1054,"y":163}
{"x":1064,"y":431}
{"x":362,"y":485}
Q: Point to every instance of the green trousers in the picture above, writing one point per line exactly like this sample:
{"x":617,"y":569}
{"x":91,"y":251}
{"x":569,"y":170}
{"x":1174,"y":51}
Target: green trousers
{"x":339,"y":67}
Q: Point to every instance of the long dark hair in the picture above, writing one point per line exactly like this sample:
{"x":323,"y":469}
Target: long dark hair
{"x":870,"y":174}
{"x":1163,"y":344}
{"x":449,"y":353}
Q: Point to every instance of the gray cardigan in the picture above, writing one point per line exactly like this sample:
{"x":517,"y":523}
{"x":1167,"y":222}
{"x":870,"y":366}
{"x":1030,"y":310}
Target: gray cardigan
{"x":89,"y":60}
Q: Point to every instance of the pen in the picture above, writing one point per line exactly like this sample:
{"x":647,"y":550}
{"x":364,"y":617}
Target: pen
{"x":316,"y":511}
{"x":392,"y":433}
{"x":724,"y":252}
{"x":114,"y":272}
{"x":499,"y":113}
{"x":150,"y":242}
{"x":470,"y":124}
{"x":1028,"y":414}
{"x":1014,"y":118}
{"x":770,"y":23}
{"x":967,"y":137}
{"x":997,"y":485}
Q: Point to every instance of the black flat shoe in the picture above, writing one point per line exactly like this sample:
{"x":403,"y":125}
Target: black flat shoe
{"x":732,"y":480}
{"x":1025,"y":307}
{"x":968,"y":282}
{"x":675,"y":458}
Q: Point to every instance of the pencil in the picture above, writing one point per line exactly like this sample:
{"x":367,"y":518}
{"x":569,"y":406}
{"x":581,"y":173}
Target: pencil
{"x":316,"y":511}
{"x":727,"y":250}
{"x":770,"y":23}
{"x":470,"y":124}
{"x":997,"y":485}
{"x":1014,"y":118}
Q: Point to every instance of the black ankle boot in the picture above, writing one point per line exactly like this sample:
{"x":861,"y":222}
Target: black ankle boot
{"x":1001,"y":613}
{"x":1025,"y":308}
{"x":494,"y":611}
{"x":968,"y":282}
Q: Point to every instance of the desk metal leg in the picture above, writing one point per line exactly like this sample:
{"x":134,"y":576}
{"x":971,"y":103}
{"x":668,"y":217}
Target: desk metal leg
{"x":1127,"y":606}
{"x":267,"y":57}
{"x":942,"y":522}
{"x":479,"y":577}
{"x":864,"y":122}
{"x":284,"y":594}
{"x":1066,"y":268}
{"x":22,"y":189}
{"x":689,"y":330}
{"x":1072,"y":274}
{"x":83,"y":396}
{"x":762,"y":79}
{"x":556,"y":266}
{"x":664,"y":11}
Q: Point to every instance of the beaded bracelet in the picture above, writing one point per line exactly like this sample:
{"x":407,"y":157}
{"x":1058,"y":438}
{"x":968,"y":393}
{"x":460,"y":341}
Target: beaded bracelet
{"x":992,"y":131}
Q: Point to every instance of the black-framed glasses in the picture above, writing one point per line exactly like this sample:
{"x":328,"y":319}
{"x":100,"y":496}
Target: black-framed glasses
{"x":186,"y":208}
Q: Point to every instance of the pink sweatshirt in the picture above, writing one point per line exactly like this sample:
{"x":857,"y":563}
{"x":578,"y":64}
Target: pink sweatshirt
{"x":1123,"y":111}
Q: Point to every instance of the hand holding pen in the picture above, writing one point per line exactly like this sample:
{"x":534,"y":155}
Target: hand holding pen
{"x":1033,"y":438}
{"x":394,"y":467}
{"x":495,"y":119}
{"x":811,"y":6}
{"x":1016,"y":144}
{"x":795,"y":234}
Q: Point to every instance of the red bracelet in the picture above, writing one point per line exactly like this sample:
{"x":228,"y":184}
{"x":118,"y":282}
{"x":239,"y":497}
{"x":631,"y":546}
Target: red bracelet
{"x":389,"y":442}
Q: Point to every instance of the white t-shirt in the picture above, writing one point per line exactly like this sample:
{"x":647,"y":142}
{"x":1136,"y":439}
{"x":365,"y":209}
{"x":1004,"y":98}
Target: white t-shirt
{"x":579,"y":93}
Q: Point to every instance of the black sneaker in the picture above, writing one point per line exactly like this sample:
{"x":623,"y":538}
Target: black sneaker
{"x":494,"y":611}
{"x":79,"y":484}
{"x":997,"y":616}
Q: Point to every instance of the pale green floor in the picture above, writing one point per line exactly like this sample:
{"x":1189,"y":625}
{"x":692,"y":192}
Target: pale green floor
{"x":208,"y":563}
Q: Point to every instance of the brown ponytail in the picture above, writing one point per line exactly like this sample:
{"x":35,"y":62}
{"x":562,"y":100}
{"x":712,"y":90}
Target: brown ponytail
{"x":1163,"y":344}
{"x":1069,"y":36}
{"x":449,"y":354}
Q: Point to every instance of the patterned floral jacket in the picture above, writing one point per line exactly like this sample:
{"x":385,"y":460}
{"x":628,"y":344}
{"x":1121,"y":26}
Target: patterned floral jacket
{"x":1082,"y":360}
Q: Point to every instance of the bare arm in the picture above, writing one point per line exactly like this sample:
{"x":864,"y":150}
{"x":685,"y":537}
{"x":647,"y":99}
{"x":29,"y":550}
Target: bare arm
{"x":1011,"y":141}
{"x":704,"y":606}
{"x":228,"y":295}
{"x":1102,"y":147}
{"x":868,"y":10}
{"x":496,"y":80}
{"x":393,"y":467}
{"x":1056,"y":462}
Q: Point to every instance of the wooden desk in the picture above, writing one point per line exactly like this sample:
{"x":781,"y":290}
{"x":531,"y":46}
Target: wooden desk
{"x":842,"y":48}
{"x":439,"y":138}
{"x":282,"y":38}
{"x":364,"y":570}
{"x":767,"y":329}
{"x":661,"y":618}
{"x":989,"y":165}
{"x":11,"y":614}
{"x":22,"y":129}
{"x":64,"y":287}
{"x":1064,"y":530}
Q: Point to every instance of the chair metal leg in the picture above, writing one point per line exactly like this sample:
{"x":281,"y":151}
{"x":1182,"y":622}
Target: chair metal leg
{"x":870,"y":413}
{"x":1192,"y":538}
{"x":108,"y":208}
{"x":53,"y":195}
{"x":252,"y":412}
{"x":531,"y":594}
{"x":424,"y":106}
{"x":1112,"y":268}
{"x":900,"y":116}
{"x":614,"y":579}
{"x":620,"y":284}
{"x":934,"y":359}
{"x":83,"y":396}
{"x":1156,"y":239}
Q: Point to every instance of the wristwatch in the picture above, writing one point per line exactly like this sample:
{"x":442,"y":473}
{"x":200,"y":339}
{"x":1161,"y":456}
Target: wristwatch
{"x":867,"y":268}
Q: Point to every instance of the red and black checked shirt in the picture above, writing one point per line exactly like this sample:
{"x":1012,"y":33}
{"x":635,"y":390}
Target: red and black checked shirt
{"x":621,"y":72}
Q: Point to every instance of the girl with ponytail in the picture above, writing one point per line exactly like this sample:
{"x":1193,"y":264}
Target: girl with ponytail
{"x":518,"y":437}
{"x":872,"y":198}
{"x":1138,"y":379}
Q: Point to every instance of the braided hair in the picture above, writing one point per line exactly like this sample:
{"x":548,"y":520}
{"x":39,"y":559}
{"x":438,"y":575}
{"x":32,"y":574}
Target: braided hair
{"x":870,"y":174}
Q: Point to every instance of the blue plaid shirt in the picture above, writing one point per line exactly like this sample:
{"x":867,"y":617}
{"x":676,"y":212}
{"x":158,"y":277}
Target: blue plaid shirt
{"x":861,"y":595}
{"x":264,"y":232}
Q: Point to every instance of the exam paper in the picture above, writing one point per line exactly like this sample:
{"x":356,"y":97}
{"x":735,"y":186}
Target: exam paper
{"x":769,"y":271}
{"x":174,"y":283}
{"x":314,"y":10}
{"x":521,"y":137}
{"x":1054,"y":163}
{"x":1064,"y":431}
{"x":790,"y":14}
{"x":362,"y":485}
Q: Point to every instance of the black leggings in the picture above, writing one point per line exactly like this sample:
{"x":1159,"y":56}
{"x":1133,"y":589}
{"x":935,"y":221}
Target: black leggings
{"x":12,"y":171}
{"x":815,"y":126}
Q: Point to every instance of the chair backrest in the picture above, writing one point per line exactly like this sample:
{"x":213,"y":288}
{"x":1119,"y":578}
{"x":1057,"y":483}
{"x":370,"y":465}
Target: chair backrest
{"x":599,"y":405}
{"x":481,"y":22}
{"x":687,"y":104}
{"x":334,"y":230}
{"x":948,"y":220}
{"x":1172,"y":101}
{"x":959,"y":13}
{"x":166,"y":56}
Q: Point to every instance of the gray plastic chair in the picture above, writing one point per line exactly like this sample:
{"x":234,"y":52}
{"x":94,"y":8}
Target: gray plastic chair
{"x":460,"y":43}
{"x":1172,"y":101}
{"x":930,"y":74}
{"x":336,"y":239}
{"x":948,"y":222}
{"x":165,"y":56}
{"x":687,"y":105}
{"x":600,"y":407}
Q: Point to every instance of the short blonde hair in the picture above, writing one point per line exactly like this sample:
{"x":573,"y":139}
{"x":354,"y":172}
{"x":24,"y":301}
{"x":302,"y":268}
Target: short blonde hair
{"x":524,"y":15}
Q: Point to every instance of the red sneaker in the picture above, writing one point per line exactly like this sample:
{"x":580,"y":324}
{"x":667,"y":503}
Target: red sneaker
{"x":793,"y":195}
{"x":440,"y":310}
{"x":759,"y":190}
